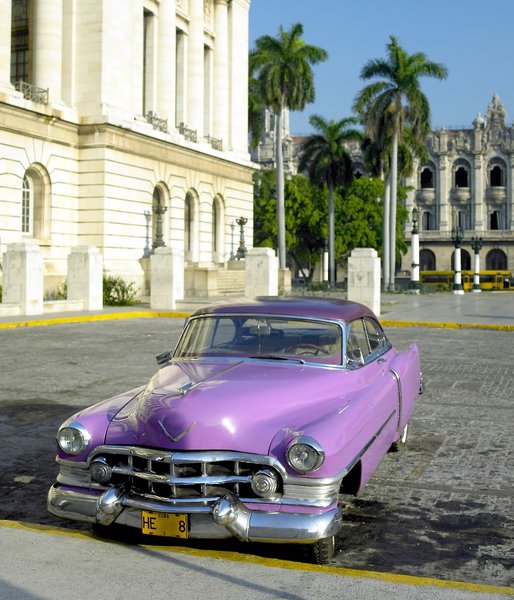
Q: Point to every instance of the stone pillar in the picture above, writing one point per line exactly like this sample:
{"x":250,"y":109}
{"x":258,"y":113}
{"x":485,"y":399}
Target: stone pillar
{"x":221,"y":91}
{"x":261,"y":273}
{"x":85,"y":271}
{"x":48,"y":47}
{"x":5,"y":47}
{"x":195,"y":64}
{"x":167,"y":278}
{"x":238,"y":59}
{"x":166,"y":62}
{"x":23,"y":277}
{"x":364,"y":278}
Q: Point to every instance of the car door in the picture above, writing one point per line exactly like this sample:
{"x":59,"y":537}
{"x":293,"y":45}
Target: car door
{"x":369,"y":352}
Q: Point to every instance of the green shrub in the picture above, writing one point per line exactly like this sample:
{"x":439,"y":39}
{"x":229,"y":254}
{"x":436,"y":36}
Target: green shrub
{"x":118,"y":292}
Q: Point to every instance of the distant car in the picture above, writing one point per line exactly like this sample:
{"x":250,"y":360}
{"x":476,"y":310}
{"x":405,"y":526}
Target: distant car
{"x":254,"y":424}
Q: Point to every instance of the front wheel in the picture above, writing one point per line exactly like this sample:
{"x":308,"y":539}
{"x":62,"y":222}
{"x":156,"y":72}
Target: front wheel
{"x":322,"y":551}
{"x":401,"y":442}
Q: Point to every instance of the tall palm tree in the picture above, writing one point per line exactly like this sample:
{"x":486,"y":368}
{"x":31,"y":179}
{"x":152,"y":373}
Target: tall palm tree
{"x":324,"y":157}
{"x":392,"y":102}
{"x":283,"y":67}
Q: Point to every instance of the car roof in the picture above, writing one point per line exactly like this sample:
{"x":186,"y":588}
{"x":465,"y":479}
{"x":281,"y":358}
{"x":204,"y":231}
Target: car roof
{"x":322,"y":308}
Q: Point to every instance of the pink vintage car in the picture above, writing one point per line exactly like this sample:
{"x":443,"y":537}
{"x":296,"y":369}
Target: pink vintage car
{"x":263,"y":414}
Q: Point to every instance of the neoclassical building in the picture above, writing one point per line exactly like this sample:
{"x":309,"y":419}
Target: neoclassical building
{"x":467,"y":182}
{"x":123,"y":125}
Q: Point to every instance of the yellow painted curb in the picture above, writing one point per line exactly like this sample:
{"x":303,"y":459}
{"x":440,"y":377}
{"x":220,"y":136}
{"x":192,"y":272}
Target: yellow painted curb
{"x":183,"y":315}
{"x":92,"y":318}
{"x":277,"y":563}
{"x":436,"y":324}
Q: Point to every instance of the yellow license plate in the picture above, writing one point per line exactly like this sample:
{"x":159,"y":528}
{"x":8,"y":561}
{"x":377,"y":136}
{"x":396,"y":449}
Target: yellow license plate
{"x":164,"y":524}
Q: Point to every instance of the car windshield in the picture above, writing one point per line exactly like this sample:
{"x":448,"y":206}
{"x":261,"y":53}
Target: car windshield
{"x":261,"y":337}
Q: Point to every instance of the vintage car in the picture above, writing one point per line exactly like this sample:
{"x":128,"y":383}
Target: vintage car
{"x":263,"y":414}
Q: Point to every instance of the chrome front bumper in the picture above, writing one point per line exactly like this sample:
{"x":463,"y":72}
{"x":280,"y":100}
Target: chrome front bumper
{"x":224,"y":518}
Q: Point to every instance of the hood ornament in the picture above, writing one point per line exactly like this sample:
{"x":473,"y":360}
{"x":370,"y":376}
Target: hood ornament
{"x":180,"y":435}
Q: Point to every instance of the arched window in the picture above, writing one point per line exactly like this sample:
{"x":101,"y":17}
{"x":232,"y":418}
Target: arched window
{"x":426,"y":178}
{"x":35,"y":202}
{"x":496,"y":260}
{"x":427,"y":260}
{"x":461,"y":177}
{"x":496,"y":176}
{"x":27,"y":206}
{"x":495,"y":220}
{"x":465,"y":260}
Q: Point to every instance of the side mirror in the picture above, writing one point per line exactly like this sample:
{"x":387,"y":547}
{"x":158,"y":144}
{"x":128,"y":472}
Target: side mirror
{"x":164,"y":357}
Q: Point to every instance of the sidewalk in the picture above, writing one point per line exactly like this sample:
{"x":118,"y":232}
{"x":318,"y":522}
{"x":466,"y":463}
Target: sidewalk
{"x":493,"y":310}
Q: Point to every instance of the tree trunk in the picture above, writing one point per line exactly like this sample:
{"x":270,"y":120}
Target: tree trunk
{"x":385,"y":234}
{"x":331,"y":238}
{"x":392,"y":225}
{"x":281,"y":215}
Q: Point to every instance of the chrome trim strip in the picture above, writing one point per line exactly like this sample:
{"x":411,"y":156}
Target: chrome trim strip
{"x":370,"y":442}
{"x":396,"y":377}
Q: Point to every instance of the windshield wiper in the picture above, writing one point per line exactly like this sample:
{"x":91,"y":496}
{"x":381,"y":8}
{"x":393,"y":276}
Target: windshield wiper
{"x":278,"y":357}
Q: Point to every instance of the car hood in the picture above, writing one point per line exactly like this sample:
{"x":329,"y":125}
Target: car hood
{"x":225,"y":405}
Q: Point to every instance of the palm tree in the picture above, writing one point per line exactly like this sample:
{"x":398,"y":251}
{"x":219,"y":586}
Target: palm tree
{"x":325,"y":159}
{"x":392,"y":103}
{"x":282,"y":66}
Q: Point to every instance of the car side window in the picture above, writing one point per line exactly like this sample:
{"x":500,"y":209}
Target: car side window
{"x":376,"y":337}
{"x":357,"y":347}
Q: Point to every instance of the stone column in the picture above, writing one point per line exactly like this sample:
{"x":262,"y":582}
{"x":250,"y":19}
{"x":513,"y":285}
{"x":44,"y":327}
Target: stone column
{"x":85,"y":268}
{"x":48,"y":47}
{"x":166,"y":62}
{"x":221,"y":81}
{"x":23,"y":277}
{"x":478,"y":214}
{"x":364,"y":278}
{"x":195,"y":67}
{"x":238,"y":60}
{"x":167,"y":278}
{"x":5,"y":47}
{"x":261,"y":273}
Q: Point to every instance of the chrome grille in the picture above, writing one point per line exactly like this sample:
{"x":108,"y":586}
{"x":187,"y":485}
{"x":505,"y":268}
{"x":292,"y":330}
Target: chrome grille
{"x":184,"y":475}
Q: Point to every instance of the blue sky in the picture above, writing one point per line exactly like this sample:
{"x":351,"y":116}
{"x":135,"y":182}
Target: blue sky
{"x":472,"y":38}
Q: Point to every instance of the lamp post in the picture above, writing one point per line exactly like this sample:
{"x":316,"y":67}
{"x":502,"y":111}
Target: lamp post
{"x":148,"y":216}
{"x":414,"y":282}
{"x":476,"y":244}
{"x":241,"y":251}
{"x":232,"y":227}
{"x":158,"y":209}
{"x":457,"y":239}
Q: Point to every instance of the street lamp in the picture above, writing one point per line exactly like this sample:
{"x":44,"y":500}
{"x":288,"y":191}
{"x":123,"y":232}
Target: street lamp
{"x":232,"y":227}
{"x":457,"y":239}
{"x":148,"y":216}
{"x":476,"y":244}
{"x":414,"y":282}
{"x":241,"y":251}
{"x":158,"y":209}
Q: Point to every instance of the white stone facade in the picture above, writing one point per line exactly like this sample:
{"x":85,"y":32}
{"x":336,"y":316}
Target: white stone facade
{"x":127,"y":107}
{"x":467,"y":182}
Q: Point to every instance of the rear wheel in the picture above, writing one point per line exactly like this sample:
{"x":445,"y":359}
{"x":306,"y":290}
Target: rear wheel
{"x":322,"y":551}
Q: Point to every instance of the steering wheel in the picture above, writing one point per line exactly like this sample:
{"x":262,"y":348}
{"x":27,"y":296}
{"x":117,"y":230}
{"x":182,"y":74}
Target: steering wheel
{"x":310,"y":349}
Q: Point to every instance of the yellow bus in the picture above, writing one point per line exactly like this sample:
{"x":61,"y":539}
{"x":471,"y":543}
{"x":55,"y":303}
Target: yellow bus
{"x":443,"y":280}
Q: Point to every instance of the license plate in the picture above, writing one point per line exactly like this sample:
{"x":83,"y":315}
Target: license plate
{"x":164,"y":524}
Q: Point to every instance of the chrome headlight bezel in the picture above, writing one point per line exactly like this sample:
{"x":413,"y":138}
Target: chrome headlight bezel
{"x":73,"y":439}
{"x":305,"y":455}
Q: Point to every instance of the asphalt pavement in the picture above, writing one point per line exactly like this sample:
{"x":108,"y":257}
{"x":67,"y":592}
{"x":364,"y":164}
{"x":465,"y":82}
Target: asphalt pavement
{"x":45,"y":561}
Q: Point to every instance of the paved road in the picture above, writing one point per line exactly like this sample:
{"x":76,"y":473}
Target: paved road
{"x":442,"y":509}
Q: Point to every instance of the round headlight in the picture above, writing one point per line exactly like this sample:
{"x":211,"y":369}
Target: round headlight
{"x":305,"y":455}
{"x":264,"y":483}
{"x":73,"y":440}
